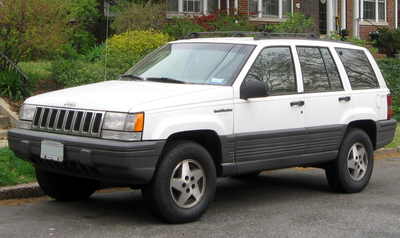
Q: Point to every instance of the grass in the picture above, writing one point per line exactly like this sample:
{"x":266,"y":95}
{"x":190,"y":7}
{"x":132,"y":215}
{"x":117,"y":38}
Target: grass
{"x":40,"y":69}
{"x":13,"y":170}
{"x":396,"y":140}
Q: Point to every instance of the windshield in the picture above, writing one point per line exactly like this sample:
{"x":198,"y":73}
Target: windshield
{"x":197,"y":63}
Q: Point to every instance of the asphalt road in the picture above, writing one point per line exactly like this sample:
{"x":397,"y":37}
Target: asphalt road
{"x":282,"y":203}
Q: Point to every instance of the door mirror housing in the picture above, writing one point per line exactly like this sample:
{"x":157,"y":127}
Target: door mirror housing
{"x":254,"y":89}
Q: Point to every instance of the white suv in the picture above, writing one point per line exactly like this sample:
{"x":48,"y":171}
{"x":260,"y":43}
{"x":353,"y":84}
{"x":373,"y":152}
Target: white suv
{"x":207,"y":107}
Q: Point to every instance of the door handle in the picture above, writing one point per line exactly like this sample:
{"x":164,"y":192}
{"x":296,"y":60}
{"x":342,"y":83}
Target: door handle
{"x":347,"y":98}
{"x":299,"y":103}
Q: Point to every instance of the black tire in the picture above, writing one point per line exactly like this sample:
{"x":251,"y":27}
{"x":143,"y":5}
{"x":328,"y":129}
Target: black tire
{"x":352,"y":170}
{"x":65,"y":188}
{"x":184,"y":168}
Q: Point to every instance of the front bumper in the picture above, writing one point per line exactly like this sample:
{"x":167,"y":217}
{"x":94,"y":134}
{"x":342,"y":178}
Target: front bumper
{"x":93,"y":158}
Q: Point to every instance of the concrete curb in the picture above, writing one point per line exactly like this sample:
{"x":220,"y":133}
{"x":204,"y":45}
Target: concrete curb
{"x":27,"y":190}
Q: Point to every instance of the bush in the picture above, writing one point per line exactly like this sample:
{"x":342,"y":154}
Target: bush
{"x":295,"y":23}
{"x":220,"y":20}
{"x":389,"y":41}
{"x":95,"y":53}
{"x":12,"y":85}
{"x":70,"y":73}
{"x":391,"y":71}
{"x":136,"y":42}
{"x":181,"y":27}
{"x":133,"y":16}
{"x":123,"y":52}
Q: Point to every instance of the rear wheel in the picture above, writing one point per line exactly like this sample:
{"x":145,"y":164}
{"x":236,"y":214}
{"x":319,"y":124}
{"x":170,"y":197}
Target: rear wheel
{"x":65,"y":188}
{"x":352,"y":169}
{"x":183,"y":185}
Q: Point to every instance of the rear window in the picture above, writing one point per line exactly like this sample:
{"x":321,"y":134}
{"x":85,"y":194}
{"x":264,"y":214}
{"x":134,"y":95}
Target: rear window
{"x":358,"y":68}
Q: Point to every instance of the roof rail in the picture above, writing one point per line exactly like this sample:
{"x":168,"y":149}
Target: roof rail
{"x":221,"y":33}
{"x":256,"y":35}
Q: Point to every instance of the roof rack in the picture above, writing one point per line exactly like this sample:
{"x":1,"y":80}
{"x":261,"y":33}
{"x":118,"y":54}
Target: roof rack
{"x":256,"y":35}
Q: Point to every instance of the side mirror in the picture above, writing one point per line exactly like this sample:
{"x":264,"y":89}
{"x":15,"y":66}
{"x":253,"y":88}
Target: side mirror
{"x":254,"y":89}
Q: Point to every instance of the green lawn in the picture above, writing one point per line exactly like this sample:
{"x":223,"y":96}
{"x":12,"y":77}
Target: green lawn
{"x":396,"y":141}
{"x":13,"y":170}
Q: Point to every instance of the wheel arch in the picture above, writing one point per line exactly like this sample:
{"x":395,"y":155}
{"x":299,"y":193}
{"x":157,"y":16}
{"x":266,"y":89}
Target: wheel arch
{"x":208,"y":139}
{"x":369,"y":127}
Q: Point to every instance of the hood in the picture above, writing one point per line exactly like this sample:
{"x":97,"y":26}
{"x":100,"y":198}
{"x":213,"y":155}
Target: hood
{"x":125,"y":96}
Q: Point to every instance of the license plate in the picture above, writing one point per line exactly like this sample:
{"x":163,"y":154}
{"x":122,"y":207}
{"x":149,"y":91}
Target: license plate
{"x":52,"y":150}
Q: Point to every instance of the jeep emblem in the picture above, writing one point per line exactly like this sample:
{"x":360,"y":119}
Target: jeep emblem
{"x":69,"y":103}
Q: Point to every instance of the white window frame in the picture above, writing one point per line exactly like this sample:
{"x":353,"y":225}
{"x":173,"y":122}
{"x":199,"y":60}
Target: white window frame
{"x":280,"y":6}
{"x":203,"y":6}
{"x":376,"y":10}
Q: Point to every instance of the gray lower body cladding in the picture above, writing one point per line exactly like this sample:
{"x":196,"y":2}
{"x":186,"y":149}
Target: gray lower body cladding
{"x":94,"y":158}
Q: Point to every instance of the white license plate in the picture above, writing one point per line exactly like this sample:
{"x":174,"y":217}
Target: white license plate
{"x":52,"y":150}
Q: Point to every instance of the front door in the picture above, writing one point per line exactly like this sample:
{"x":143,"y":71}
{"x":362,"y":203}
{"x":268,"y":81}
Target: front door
{"x":270,"y":127}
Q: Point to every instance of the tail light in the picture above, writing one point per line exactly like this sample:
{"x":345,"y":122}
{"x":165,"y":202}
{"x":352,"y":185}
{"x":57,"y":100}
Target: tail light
{"x":389,"y":107}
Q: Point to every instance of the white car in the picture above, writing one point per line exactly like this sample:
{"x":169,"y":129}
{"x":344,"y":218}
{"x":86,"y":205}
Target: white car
{"x":207,"y":107}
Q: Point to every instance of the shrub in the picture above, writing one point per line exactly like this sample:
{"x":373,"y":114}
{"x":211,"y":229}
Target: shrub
{"x":95,"y":53}
{"x":136,"y":42}
{"x":133,"y":16}
{"x":12,"y":84}
{"x":389,"y":41}
{"x":391,"y":71}
{"x":124,"y":51}
{"x":70,"y":73}
{"x":295,"y":23}
{"x":220,"y":20}
{"x":182,"y":27}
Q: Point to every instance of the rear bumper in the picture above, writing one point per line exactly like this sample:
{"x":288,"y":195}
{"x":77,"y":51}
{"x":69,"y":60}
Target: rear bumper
{"x":94,"y":158}
{"x":385,"y":131}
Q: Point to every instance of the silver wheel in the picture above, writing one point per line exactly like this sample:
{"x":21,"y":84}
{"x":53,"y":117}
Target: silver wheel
{"x":357,"y":161}
{"x":352,"y":169}
{"x":188,"y":183}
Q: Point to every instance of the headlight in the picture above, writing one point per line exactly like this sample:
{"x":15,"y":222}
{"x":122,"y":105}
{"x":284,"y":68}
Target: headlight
{"x":122,"y":126}
{"x":26,"y":112}
{"x":26,"y":116}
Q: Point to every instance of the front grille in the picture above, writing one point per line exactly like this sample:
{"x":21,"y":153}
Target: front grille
{"x":68,"y":121}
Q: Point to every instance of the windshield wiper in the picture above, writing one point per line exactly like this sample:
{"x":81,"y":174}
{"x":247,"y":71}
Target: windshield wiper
{"x":137,"y":78}
{"x":164,"y":80}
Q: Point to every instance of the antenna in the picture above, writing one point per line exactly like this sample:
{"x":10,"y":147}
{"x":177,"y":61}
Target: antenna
{"x":105,"y":61}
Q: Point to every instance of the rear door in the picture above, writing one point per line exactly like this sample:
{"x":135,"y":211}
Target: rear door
{"x":328,"y":101}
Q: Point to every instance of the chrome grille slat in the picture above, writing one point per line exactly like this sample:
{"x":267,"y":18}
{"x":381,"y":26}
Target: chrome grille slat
{"x":68,"y":121}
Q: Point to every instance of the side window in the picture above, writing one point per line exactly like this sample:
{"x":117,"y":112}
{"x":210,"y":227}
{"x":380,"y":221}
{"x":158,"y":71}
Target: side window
{"x":358,"y":68}
{"x":275,"y":66}
{"x":318,"y":69}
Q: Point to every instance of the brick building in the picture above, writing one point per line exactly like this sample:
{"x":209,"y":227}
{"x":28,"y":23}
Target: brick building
{"x":360,"y":17}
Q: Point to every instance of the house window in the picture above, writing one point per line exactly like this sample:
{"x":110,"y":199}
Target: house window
{"x":373,"y":10}
{"x":270,"y":8}
{"x":191,"y":6}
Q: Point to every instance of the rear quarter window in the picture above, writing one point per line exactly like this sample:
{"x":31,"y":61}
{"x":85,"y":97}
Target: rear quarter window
{"x":359,"y":70}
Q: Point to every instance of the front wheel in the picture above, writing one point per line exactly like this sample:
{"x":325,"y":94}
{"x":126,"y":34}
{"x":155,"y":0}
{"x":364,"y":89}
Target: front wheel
{"x":65,"y":188}
{"x":183,"y":185}
{"x":352,"y":169}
